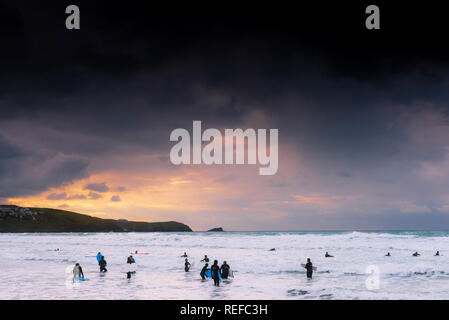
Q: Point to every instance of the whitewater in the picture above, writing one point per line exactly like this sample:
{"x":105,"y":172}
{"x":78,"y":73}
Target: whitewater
{"x":28,"y":270}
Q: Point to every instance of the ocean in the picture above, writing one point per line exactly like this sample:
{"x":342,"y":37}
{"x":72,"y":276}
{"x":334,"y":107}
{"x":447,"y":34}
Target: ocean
{"x":359,"y":270}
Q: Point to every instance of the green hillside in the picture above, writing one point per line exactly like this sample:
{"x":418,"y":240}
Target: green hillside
{"x":53,"y":220}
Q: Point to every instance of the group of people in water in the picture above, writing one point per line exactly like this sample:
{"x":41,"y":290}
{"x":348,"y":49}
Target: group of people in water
{"x":78,"y":270}
{"x":415,"y":254}
{"x":216,"y":272}
{"x":309,"y":266}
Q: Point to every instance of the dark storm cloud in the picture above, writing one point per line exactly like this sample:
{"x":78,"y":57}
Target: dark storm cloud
{"x":98,"y":187}
{"x":26,"y":171}
{"x":57,"y":196}
{"x":115,"y":199}
{"x":93,"y":195}
{"x":76,"y":197}
{"x":134,"y":72}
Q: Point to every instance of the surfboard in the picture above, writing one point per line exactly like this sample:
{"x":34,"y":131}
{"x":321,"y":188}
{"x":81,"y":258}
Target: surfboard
{"x":99,"y":257}
{"x":208,"y":273}
{"x":303,"y":265}
{"x":79,"y":278}
{"x":130,"y":267}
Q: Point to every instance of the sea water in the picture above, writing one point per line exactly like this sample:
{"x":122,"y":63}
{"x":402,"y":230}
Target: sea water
{"x":29,"y":271}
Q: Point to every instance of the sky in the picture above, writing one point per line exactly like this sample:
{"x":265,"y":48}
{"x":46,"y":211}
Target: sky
{"x":363,"y":115}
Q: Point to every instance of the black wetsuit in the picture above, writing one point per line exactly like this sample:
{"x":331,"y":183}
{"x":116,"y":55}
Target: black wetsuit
{"x":202,"y":272}
{"x":187,"y":266}
{"x":81,"y":272}
{"x":205,"y":260}
{"x":215,"y":269}
{"x":309,"y":268}
{"x":224,"y":271}
{"x":102,"y":264}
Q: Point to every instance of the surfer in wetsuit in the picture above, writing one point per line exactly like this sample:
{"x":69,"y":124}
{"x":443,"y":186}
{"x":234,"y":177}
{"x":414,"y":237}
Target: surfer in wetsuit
{"x":309,"y":268}
{"x":327,"y":255}
{"x":203,"y":271}
{"x":103,"y":264}
{"x":215,"y":269}
{"x":187,"y":265}
{"x":206,"y":259}
{"x":438,"y":253}
{"x":225,"y":270}
{"x":388,"y":254}
{"x":130,"y":260}
{"x":184,"y":255}
{"x":416,"y":254}
{"x":78,"y":271}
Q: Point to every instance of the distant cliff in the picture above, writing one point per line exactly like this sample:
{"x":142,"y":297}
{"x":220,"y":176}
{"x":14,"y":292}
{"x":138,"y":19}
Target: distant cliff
{"x":18,"y":219}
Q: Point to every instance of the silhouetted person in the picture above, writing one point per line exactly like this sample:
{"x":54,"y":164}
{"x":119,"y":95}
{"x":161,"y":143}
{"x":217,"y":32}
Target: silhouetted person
{"x":416,"y":254}
{"x":187,"y":265}
{"x":215,"y":270}
{"x":203,"y":271}
{"x":206,"y":259}
{"x":103,"y":264}
{"x":438,"y":253}
{"x":225,"y":270}
{"x":184,"y":255}
{"x":327,"y":255}
{"x":130,"y":260}
{"x":309,"y":268}
{"x":388,"y":255}
{"x":78,"y":271}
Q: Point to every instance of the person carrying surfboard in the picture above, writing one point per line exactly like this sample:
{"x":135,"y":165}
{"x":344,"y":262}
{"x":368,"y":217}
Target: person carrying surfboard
{"x":78,"y":272}
{"x":309,"y":268}
{"x":203,"y":271}
{"x":225,"y":270}
{"x":187,"y":265}
{"x":103,"y":264}
{"x":215,"y":269}
{"x":130,"y":261}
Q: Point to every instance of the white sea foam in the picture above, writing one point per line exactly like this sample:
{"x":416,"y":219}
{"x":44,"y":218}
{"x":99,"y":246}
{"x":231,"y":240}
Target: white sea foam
{"x":29,"y":271}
